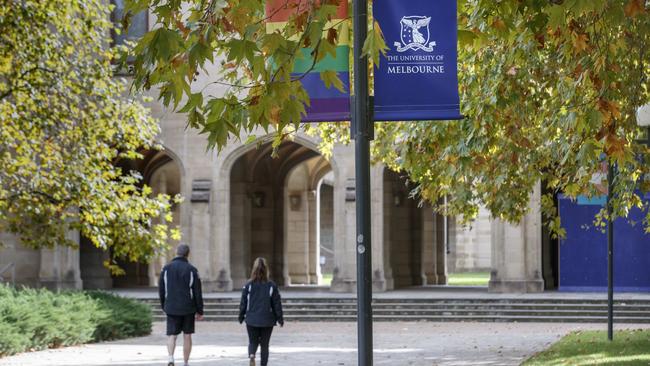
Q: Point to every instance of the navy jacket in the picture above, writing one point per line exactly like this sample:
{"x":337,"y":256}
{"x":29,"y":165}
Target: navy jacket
{"x":261,"y":305}
{"x":179,"y":288}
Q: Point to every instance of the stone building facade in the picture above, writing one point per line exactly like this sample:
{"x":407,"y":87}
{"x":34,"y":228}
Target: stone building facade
{"x":298,"y":211}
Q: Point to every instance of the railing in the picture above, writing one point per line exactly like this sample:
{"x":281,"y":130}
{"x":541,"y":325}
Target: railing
{"x":3,"y":270}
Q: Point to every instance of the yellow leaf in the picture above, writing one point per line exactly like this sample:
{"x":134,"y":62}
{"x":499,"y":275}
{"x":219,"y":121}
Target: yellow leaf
{"x":499,"y":24}
{"x":580,"y":43}
{"x":5,"y":64}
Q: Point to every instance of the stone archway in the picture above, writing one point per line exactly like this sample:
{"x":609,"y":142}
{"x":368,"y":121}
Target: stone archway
{"x":325,"y":229}
{"x":273,"y":212}
{"x":162,"y":171}
{"x":302,"y":222}
{"x":414,"y":250}
{"x":470,"y":246}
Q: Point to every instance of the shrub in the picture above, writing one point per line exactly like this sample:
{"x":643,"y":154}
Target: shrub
{"x":34,"y":319}
{"x":121,"y":317}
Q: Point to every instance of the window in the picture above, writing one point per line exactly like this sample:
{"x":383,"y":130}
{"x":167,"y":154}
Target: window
{"x":138,"y":25}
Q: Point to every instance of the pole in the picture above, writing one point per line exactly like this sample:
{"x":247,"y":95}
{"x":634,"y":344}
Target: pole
{"x":362,"y":134}
{"x":610,"y":253}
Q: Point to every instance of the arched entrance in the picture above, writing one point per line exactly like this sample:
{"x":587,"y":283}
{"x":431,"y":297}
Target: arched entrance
{"x":275,"y":212}
{"x":161,"y":172}
{"x":413,"y":237}
{"x":469,"y":248}
{"x":325,"y":236}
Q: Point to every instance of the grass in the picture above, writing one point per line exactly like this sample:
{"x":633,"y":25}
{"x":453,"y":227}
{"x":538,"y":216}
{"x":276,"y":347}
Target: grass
{"x":592,"y":348}
{"x":327,"y":279}
{"x":469,"y":279}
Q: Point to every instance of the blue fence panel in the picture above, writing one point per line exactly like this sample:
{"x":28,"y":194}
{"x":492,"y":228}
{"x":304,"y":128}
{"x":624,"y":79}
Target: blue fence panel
{"x":583,"y":253}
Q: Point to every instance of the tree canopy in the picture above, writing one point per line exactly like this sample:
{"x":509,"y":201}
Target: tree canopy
{"x":228,"y":41}
{"x":549,"y":89}
{"x":64,"y":122}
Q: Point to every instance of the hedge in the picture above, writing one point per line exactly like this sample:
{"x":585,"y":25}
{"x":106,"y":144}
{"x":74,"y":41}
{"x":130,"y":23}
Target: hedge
{"x":36,"y":319}
{"x":125,"y":317}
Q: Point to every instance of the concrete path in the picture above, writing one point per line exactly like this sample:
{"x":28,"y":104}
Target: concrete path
{"x":327,"y":344}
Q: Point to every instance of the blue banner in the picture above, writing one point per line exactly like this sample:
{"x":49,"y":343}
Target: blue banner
{"x":418,"y":78}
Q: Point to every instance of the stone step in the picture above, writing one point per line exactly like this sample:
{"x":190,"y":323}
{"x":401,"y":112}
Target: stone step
{"x":411,"y":307}
{"x":443,"y":310}
{"x":535,"y":301}
{"x":475,"y":318}
{"x":458,"y":312}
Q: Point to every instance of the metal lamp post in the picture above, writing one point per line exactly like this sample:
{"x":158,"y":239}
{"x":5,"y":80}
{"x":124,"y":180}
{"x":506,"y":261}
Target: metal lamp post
{"x":610,"y":252}
{"x":643,"y":120}
{"x":362,"y":133}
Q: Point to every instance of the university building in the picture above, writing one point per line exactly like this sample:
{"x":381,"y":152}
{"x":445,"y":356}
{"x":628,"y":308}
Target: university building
{"x":298,"y":211}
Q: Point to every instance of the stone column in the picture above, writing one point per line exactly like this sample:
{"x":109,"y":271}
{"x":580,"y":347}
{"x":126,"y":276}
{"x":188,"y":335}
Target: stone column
{"x":201,"y":237}
{"x":313,"y":208}
{"x":380,"y":266}
{"x":516,"y":252}
{"x":220,"y":240}
{"x":59,"y":268}
{"x":440,"y":259}
{"x":345,"y":254}
{"x":240,"y":234}
{"x":386,"y":216}
{"x":428,"y":248}
{"x":297,"y":235}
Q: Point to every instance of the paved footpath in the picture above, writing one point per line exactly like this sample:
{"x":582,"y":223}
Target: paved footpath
{"x":309,"y":344}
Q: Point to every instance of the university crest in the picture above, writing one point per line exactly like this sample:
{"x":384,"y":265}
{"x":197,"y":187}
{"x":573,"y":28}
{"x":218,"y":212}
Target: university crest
{"x":415,"y":34}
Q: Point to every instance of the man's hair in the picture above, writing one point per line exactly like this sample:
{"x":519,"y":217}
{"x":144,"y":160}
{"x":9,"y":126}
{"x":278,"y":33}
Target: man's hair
{"x":183,"y":250}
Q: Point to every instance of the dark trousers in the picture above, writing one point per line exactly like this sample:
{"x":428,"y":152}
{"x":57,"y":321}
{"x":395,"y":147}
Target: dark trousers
{"x":259,"y":337}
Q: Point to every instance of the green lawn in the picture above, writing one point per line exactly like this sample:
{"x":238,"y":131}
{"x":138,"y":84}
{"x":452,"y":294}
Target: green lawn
{"x":469,"y":279}
{"x":592,"y":348}
{"x":327,"y":279}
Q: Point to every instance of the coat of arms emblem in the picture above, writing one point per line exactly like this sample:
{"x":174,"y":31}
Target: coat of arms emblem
{"x":415,"y":34}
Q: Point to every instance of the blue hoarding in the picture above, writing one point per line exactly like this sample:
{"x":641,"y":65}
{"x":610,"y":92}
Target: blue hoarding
{"x":583,"y":253}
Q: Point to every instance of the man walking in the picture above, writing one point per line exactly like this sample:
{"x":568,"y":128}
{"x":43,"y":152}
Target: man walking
{"x":182,"y":300}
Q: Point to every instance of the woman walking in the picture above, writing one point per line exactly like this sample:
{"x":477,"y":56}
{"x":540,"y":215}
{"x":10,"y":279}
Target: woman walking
{"x":261,"y":307}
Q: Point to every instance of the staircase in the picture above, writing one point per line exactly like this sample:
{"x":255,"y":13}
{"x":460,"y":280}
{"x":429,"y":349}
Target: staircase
{"x":440,"y":310}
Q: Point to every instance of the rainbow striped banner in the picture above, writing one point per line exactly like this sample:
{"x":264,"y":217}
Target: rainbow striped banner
{"x":327,"y":104}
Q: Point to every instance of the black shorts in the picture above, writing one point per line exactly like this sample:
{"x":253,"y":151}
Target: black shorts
{"x":180,"y":323}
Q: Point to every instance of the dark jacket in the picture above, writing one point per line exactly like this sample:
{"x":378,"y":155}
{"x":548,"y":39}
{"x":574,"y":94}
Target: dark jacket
{"x":180,"y":288}
{"x":261,"y":305}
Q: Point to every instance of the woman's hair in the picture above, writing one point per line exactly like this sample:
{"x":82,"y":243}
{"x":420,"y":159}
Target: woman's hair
{"x":260,"y":272}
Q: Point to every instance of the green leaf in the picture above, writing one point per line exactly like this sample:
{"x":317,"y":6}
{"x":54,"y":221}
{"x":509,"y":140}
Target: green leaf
{"x":465,"y":38}
{"x":556,"y":16}
{"x":375,"y":45}
{"x":331,"y":78}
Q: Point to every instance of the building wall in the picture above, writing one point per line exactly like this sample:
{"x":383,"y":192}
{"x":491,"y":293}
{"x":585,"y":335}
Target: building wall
{"x":470,"y":245}
{"x":26,"y":260}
